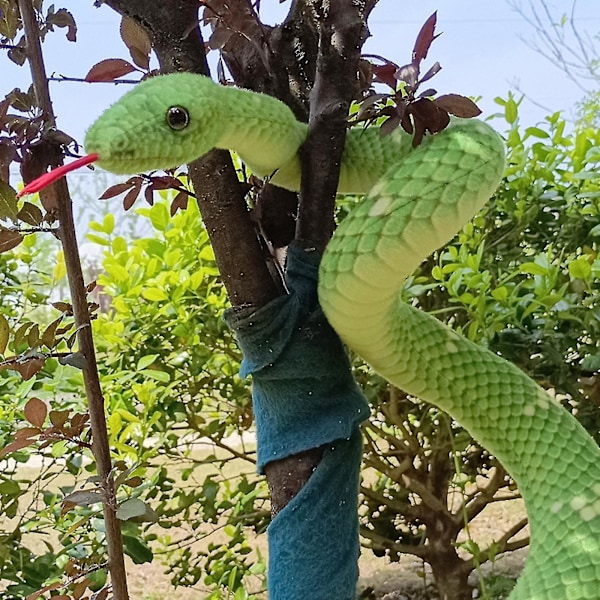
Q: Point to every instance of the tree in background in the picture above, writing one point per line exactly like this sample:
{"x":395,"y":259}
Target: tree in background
{"x":560,"y":40}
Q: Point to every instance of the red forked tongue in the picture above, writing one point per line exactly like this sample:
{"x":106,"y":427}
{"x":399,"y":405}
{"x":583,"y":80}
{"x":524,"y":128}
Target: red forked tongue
{"x":47,"y":178}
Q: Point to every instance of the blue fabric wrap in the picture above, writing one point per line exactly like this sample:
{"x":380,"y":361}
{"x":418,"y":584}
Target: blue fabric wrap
{"x":303,"y":391}
{"x":304,"y":396}
{"x":313,"y":541}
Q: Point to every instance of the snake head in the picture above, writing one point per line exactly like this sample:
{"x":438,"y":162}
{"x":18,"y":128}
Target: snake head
{"x":164,"y":122}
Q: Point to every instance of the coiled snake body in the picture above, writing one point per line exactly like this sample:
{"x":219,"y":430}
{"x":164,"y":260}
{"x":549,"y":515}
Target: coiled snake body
{"x":416,"y":200}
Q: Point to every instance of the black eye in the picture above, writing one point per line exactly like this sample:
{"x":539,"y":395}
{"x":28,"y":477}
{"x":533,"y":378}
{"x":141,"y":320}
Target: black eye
{"x":178,"y":118}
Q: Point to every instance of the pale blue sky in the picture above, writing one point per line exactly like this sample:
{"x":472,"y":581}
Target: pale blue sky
{"x":481,"y":52}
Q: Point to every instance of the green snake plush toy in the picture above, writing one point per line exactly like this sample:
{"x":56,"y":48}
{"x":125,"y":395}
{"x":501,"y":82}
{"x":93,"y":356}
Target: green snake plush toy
{"x":416,"y":200}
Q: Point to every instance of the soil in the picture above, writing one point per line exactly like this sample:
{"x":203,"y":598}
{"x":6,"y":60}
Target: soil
{"x":408,"y":579}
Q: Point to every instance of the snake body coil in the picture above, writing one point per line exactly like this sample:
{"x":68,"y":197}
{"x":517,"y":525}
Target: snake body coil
{"x":416,"y":200}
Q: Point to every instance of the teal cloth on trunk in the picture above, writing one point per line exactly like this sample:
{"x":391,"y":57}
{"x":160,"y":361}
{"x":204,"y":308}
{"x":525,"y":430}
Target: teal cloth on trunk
{"x":304,"y":396}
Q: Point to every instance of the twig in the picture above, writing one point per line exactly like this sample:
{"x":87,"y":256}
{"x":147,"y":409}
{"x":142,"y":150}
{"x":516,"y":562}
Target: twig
{"x":81,"y":314}
{"x":504,"y":544}
{"x":379,"y":541}
{"x":83,"y":80}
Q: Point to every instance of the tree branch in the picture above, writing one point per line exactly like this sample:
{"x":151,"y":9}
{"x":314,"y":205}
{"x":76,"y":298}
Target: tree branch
{"x":342,"y":32}
{"x":62,"y":200}
{"x":383,"y":543}
{"x":504,"y":544}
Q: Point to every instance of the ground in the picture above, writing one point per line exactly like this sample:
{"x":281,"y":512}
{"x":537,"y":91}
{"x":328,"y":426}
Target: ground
{"x":407,"y":580}
{"x":379,"y":580}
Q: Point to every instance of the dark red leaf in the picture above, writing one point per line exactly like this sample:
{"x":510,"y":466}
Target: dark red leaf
{"x":30,"y":214}
{"x":9,"y":239}
{"x":407,"y":123}
{"x":16,"y":445}
{"x":165,"y":182}
{"x":109,"y":70}
{"x":8,"y":202}
{"x":385,"y":74}
{"x":4,"y":106}
{"x":64,"y":307}
{"x":458,"y":105}
{"x":27,"y":433}
{"x":63,"y":18}
{"x":49,"y":336}
{"x":78,"y":422}
{"x":419,"y":131}
{"x":424,"y":40}
{"x":27,"y":368}
{"x":131,"y":195}
{"x":59,"y":417}
{"x":115,"y":190}
{"x":139,"y":58}
{"x":221,"y":72}
{"x":436,"y":68}
{"x":180,"y":202}
{"x":35,"y":412}
{"x":432,"y":116}
{"x":137,"y":41}
{"x":390,"y":124}
{"x":149,"y":195}
{"x":18,"y":55}
{"x":428,"y":93}
{"x":367,"y":107}
{"x":220,"y":36}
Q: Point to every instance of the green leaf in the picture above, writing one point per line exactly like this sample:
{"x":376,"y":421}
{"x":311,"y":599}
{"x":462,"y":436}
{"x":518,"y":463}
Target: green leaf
{"x":4,"y":333}
{"x":131,"y":508}
{"x":158,"y":375}
{"x":500,"y":293}
{"x":511,"y":111}
{"x":31,"y":214}
{"x":117,"y":271}
{"x":207,"y":253}
{"x":536,"y":132}
{"x":533,"y":269}
{"x":146,"y":361}
{"x":241,"y":594}
{"x":585,"y":175}
{"x":159,"y":215}
{"x":154,"y":294}
{"x":8,"y":202}
{"x":137,"y":550}
{"x":591,"y":363}
{"x":580,"y":268}
{"x":109,"y":223}
{"x":97,"y":239}
{"x":119,"y":245}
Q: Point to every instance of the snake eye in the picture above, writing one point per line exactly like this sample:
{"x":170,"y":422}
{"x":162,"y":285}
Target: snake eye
{"x":178,"y":118}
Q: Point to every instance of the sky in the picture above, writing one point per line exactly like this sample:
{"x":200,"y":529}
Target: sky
{"x":481,"y":49}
